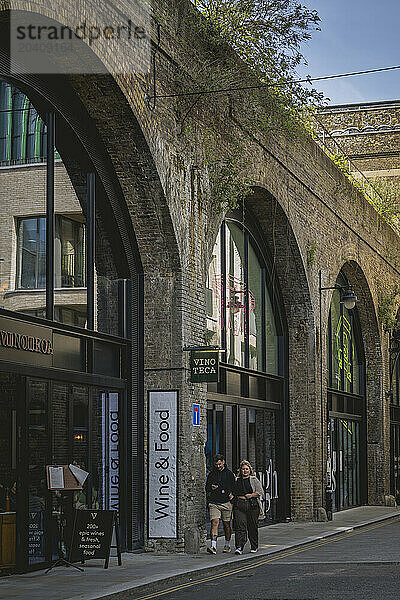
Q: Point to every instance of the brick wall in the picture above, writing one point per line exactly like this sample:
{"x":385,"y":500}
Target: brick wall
{"x":301,"y":201}
{"x":369,"y":136}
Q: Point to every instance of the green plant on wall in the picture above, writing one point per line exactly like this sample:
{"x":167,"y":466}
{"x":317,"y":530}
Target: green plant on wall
{"x":311,"y":250}
{"x":386,"y":309}
{"x":383,"y":195}
{"x":267,"y":35}
{"x":226,"y":165}
{"x":387,"y":200}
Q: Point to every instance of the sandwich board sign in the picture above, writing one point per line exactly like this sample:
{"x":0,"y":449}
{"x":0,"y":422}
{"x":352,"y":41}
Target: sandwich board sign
{"x":92,"y":536}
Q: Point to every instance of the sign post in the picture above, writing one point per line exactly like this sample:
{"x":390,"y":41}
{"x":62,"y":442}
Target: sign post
{"x":92,"y":535}
{"x":196,"y":415}
{"x":62,"y":478}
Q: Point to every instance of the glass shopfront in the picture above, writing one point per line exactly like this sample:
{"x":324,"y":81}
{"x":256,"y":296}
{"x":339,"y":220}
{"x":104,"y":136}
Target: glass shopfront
{"x":69,"y":381}
{"x":346,"y":454}
{"x":70,"y":304}
{"x":56,"y":418}
{"x":395,"y":433}
{"x":238,"y":431}
{"x":246,"y":416}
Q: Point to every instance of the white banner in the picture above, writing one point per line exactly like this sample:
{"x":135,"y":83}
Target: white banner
{"x":162,"y":461}
{"x":111,"y":449}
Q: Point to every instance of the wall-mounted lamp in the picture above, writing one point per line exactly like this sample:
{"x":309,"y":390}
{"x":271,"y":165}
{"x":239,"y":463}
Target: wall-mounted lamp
{"x":347,"y":295}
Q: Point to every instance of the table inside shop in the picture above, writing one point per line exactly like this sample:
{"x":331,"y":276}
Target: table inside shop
{"x":7,"y":539}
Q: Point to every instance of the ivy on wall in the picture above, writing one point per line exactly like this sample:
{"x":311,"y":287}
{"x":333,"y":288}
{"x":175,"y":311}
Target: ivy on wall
{"x":239,"y":44}
{"x":386,"y":309}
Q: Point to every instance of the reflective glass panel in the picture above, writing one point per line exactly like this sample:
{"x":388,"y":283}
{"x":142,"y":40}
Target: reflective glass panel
{"x":235,"y":295}
{"x":9,"y":392}
{"x":255,"y":311}
{"x":38,"y":446}
{"x":271,"y":337}
{"x":344,"y":358}
{"x":214,"y":297}
{"x":336,"y":342}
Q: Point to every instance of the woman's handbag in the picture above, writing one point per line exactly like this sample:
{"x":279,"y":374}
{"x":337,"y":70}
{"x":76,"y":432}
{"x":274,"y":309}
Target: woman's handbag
{"x":242,"y":505}
{"x":253,"y":503}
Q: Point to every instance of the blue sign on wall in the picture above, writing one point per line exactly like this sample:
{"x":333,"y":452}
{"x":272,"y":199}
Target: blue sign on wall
{"x":196,"y":415}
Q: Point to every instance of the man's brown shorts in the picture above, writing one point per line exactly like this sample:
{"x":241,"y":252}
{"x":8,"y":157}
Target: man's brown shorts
{"x":221,"y":511}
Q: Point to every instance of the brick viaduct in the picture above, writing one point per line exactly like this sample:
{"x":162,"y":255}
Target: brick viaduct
{"x":300,"y":200}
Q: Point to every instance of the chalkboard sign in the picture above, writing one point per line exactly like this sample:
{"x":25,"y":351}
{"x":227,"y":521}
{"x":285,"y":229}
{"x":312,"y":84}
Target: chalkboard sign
{"x":92,"y":535}
{"x":36,"y":535}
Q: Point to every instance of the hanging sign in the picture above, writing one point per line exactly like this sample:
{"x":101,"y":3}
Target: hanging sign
{"x":162,"y":464}
{"x":204,"y":366}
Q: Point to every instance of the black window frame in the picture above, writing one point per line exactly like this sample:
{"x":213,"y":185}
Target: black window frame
{"x":78,"y":275}
{"x":265,"y":284}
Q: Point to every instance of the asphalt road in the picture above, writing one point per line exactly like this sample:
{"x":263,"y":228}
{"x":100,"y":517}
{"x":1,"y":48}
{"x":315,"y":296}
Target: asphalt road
{"x":363,"y":564}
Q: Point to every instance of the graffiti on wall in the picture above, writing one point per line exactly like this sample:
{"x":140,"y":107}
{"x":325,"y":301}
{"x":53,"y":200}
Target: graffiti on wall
{"x":269,"y":481}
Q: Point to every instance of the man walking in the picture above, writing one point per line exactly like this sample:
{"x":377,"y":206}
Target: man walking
{"x":219,"y":487}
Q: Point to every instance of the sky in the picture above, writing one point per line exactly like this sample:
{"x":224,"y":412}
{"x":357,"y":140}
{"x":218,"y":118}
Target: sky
{"x":355,"y":35}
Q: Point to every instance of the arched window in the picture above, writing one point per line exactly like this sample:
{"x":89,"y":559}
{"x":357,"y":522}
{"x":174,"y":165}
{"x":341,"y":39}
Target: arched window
{"x":240,"y":315}
{"x":22,"y":131}
{"x":346,"y":404}
{"x":246,"y":408}
{"x":343,"y":345}
{"x":66,"y":321}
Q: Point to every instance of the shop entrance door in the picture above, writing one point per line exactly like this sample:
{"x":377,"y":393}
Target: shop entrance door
{"x":45,"y":422}
{"x":248,"y":432}
{"x":33,"y":484}
{"x":11,"y":388}
{"x":395,"y":459}
{"x":25,"y":511}
{"x":345,"y":463}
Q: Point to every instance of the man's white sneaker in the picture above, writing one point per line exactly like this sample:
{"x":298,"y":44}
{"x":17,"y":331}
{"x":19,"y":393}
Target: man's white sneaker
{"x":211,"y":550}
{"x":226,"y":548}
{"x":238,"y":551}
{"x":253,"y":550}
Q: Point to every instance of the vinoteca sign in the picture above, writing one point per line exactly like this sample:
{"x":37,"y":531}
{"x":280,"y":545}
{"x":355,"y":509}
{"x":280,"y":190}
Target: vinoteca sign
{"x":204,"y":365}
{"x":29,"y":343}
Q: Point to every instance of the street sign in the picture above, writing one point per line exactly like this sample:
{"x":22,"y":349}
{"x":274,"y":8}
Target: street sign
{"x":196,"y":415}
{"x":204,"y":366}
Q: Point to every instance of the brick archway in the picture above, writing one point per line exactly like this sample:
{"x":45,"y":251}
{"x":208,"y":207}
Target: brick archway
{"x":377,"y":409}
{"x":304,"y":412}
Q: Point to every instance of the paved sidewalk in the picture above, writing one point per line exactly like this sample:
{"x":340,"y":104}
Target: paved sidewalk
{"x":147,"y":572}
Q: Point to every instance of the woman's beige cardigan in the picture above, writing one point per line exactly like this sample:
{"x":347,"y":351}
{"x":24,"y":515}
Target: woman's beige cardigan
{"x":257,"y":487}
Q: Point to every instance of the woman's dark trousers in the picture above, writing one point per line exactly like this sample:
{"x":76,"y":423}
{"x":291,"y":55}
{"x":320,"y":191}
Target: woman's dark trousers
{"x":246,"y":523}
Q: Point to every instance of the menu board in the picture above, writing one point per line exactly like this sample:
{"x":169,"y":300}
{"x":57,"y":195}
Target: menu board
{"x":92,"y":535}
{"x":61,"y":478}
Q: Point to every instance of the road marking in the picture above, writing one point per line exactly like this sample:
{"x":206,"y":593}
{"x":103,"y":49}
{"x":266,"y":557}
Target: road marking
{"x":267,"y":560}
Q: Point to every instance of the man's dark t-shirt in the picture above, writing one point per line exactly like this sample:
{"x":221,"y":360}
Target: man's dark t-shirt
{"x":225,"y":480}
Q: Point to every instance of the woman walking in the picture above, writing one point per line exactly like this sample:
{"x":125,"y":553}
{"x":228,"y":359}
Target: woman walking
{"x":247,"y":508}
